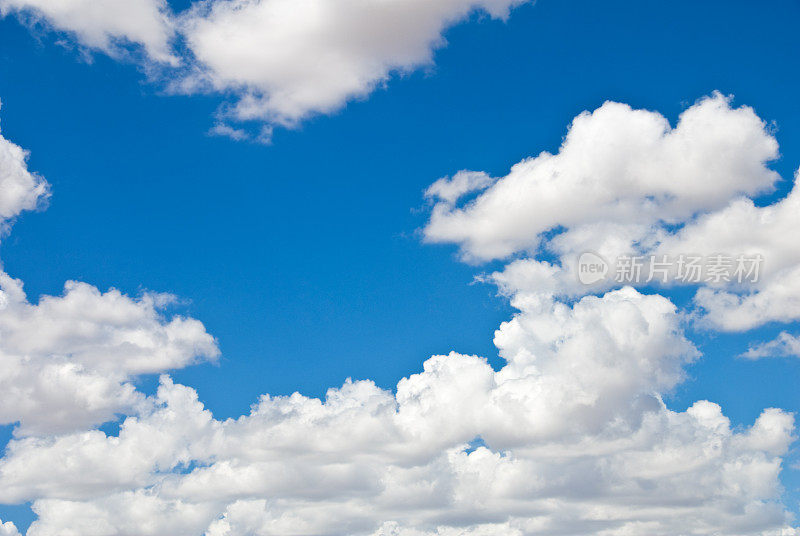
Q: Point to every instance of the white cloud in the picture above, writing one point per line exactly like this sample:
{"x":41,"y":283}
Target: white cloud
{"x":616,"y":167}
{"x":570,"y":436}
{"x":283,"y":60}
{"x":740,"y":228}
{"x":264,"y":136}
{"x":227,"y":131}
{"x":288,"y":59}
{"x":775,"y":300}
{"x":744,"y":228}
{"x":66,"y":362}
{"x":577,"y":439}
{"x":451,"y":189}
{"x":785,"y":345}
{"x":8,"y":529}
{"x":168,"y":431}
{"x":625,"y":183}
{"x":106,"y":25}
{"x":20,"y":189}
{"x":668,"y":473}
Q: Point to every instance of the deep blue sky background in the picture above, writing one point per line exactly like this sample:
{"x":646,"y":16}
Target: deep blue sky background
{"x":302,"y":257}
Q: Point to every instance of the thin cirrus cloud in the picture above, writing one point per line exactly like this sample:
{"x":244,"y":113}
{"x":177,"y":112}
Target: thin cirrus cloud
{"x":570,"y":436}
{"x":284,"y":60}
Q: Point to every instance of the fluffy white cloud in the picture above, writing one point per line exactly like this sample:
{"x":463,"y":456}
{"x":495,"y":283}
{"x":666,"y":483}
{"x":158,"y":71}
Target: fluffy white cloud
{"x":625,"y":183}
{"x":741,"y":228}
{"x":744,"y":228}
{"x":570,"y":436}
{"x":8,"y":529}
{"x":617,"y":481}
{"x":66,"y":362}
{"x":106,"y":24}
{"x":288,"y":59}
{"x":785,"y":345}
{"x":284,"y":60}
{"x":573,"y":438}
{"x":166,"y":433}
{"x":20,"y":189}
{"x":617,"y":167}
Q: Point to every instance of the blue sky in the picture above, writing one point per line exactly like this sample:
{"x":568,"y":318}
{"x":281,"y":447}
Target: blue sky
{"x":304,"y":257}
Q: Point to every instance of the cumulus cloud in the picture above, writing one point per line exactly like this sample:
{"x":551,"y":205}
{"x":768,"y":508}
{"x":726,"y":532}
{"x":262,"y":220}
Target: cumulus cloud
{"x":8,"y":529}
{"x":626,"y":183}
{"x":106,"y":25}
{"x":288,"y":59}
{"x":163,"y":435}
{"x":573,"y":438}
{"x":616,"y":167}
{"x":785,"y":345}
{"x":20,"y":189}
{"x":742,"y":227}
{"x":570,"y":436}
{"x":283,"y":60}
{"x":66,"y":362}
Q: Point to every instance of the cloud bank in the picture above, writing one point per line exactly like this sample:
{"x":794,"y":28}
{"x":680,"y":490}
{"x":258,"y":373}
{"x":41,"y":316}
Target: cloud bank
{"x":570,"y":436}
